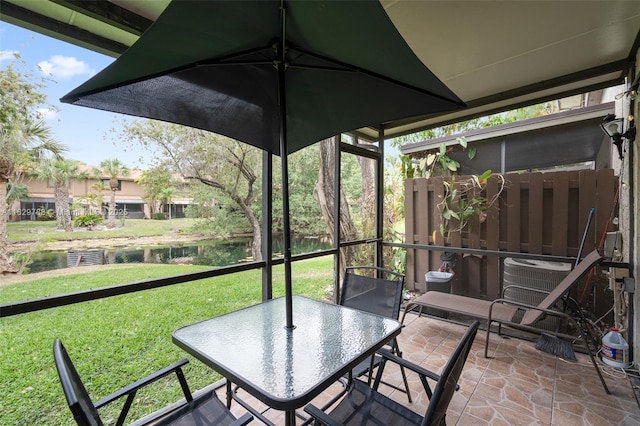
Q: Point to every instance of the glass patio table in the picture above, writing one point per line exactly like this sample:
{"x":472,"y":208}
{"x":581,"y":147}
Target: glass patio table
{"x":285,"y":369}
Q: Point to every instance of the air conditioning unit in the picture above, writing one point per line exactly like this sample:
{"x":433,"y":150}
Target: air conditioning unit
{"x":522,"y":277}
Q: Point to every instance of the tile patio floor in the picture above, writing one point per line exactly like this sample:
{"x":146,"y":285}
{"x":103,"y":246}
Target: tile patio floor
{"x":518,"y":386}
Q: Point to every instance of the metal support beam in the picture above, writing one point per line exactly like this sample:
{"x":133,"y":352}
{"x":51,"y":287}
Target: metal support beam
{"x":337,"y":185}
{"x":267,"y":225}
{"x":25,"y":18}
{"x":109,"y":13}
{"x":15,"y":308}
{"x":379,"y":220}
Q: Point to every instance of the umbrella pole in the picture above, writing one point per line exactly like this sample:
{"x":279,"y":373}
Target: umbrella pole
{"x":282,"y":93}
{"x":287,"y":231}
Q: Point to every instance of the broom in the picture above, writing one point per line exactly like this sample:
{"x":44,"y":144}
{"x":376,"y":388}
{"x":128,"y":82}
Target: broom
{"x":551,"y":343}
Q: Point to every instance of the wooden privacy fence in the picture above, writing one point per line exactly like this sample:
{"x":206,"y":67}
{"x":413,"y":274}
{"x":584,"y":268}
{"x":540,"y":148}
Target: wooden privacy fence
{"x":537,"y":213}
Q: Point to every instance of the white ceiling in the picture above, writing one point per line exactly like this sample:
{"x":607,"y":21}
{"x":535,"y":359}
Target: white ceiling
{"x":495,"y":55}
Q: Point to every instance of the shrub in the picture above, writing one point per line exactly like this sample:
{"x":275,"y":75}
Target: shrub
{"x":45,"y":215}
{"x":87,"y":220}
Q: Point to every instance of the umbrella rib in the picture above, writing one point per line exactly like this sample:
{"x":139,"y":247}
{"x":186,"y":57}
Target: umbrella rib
{"x":218,"y":61}
{"x":339,"y":67}
{"x":229,"y":59}
{"x":214,"y":64}
{"x":372,"y":74}
{"x":320,"y":68}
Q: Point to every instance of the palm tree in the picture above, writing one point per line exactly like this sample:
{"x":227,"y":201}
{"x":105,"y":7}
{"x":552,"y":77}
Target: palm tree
{"x":91,"y":202}
{"x":21,"y":145}
{"x":16,"y":191}
{"x":166,"y":196}
{"x":114,"y":169}
{"x":60,"y":172}
{"x":23,"y":139}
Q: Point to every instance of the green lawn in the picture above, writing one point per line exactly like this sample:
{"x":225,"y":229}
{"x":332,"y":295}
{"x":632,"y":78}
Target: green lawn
{"x":118,"y":339}
{"x":46,"y":231}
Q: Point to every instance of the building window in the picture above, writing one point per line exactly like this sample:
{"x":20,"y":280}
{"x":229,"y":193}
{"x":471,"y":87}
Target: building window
{"x":107,"y":183}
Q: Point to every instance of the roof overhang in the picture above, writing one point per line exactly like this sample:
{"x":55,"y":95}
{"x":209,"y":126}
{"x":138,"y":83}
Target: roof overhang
{"x":495,"y":56}
{"x":572,"y":136}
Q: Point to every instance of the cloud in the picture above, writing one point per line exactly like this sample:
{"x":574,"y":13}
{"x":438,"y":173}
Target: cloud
{"x":48,"y":114}
{"x":8,"y":55}
{"x":65,"y":67}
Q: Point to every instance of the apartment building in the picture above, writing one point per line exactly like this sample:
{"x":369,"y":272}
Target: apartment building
{"x":130,"y":200}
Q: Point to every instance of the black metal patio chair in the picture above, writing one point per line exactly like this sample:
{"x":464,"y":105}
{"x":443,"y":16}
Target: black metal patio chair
{"x":379,"y":291}
{"x":205,"y":409}
{"x":364,"y":405}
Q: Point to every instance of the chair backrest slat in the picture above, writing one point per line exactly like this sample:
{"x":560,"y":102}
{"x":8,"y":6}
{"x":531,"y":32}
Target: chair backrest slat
{"x":449,"y":377}
{"x":372,"y":289}
{"x":83,"y":410}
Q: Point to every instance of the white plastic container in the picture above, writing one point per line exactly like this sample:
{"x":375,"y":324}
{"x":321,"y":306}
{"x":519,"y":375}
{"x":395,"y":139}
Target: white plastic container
{"x":438,"y":277}
{"x":615,"y":350}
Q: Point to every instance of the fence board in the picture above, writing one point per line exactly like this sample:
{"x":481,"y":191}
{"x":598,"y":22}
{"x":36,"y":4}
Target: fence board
{"x":560,"y":220}
{"x":409,"y":229}
{"x":492,"y":223}
{"x":474,"y":223}
{"x":423,"y":231}
{"x":587,"y":201}
{"x":538,"y":213}
{"x":513,"y":215}
{"x":535,"y":220}
{"x":490,"y":285}
{"x":606,"y":192}
{"x":438,"y":196}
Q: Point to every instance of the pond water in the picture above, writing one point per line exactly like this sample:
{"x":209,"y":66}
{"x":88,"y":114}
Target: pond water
{"x":220,"y":253}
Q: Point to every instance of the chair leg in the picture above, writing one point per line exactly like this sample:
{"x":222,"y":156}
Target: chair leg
{"x":404,"y":379}
{"x":396,"y":350}
{"x":586,"y":343}
{"x":486,"y":342}
{"x":595,"y":365}
{"x":370,"y":374}
{"x":411,"y":307}
{"x":229,"y":394}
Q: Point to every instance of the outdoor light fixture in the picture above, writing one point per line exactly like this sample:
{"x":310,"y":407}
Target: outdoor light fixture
{"x":613,"y":127}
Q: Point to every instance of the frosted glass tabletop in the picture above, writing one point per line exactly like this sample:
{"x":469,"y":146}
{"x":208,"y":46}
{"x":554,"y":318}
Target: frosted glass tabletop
{"x":284,"y":368}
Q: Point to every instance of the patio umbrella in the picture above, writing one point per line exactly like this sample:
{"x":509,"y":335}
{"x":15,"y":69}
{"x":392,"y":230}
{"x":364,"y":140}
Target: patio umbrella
{"x":278,"y":75}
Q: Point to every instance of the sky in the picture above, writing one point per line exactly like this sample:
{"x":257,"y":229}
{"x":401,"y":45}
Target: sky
{"x":85,"y":131}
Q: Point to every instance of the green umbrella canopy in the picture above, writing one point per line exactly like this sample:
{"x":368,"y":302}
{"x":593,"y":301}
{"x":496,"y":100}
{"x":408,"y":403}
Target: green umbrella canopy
{"x":278,"y":75}
{"x":212,"y":65}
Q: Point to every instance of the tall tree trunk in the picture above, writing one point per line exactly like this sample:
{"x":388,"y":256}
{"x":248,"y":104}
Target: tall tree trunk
{"x":324,"y":194}
{"x":245,"y":205}
{"x":368,"y":200}
{"x":6,"y":264}
{"x":63,"y":214}
{"x":58,"y":205}
{"x":111,"y":217}
{"x":256,"y":244}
